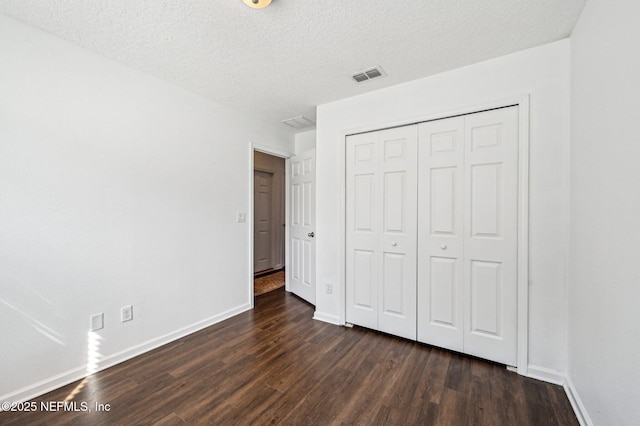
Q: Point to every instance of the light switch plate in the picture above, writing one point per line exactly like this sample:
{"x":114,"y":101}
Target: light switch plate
{"x":126,"y":313}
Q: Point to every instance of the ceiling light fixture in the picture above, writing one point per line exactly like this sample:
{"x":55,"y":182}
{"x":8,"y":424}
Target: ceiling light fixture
{"x":257,"y":4}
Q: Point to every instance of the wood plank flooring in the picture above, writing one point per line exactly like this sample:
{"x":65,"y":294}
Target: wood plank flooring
{"x":275,"y":365}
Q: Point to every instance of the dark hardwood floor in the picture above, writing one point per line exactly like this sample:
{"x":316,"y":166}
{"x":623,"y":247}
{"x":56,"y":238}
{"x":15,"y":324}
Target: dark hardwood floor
{"x":275,"y":365}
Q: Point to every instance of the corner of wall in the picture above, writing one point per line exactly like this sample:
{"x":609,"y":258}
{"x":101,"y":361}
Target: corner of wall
{"x":576,"y":403}
{"x":305,"y":141}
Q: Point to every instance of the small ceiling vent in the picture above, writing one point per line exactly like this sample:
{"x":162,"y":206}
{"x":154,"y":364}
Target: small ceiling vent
{"x":369,"y":74}
{"x":299,"y":122}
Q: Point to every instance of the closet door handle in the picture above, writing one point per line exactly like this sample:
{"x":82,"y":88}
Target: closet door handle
{"x":394,"y":244}
{"x":311,"y":234}
{"x":443,"y":246}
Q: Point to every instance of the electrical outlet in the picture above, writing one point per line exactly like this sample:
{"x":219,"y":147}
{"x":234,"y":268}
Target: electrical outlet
{"x":328,"y":288}
{"x":126,"y":313}
{"x":96,"y":322}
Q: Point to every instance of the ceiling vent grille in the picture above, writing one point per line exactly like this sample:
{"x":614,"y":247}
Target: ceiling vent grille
{"x":368,"y":74}
{"x":299,"y":122}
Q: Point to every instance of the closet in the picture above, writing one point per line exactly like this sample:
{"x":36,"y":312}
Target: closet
{"x":431,"y":232}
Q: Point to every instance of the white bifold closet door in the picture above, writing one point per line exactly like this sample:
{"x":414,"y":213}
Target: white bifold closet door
{"x":381,"y":234}
{"x":467,"y":243}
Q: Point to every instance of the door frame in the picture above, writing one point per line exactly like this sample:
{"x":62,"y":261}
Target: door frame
{"x":522,"y":101}
{"x":250,"y":219}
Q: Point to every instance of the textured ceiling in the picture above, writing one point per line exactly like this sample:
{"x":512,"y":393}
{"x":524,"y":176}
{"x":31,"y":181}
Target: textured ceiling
{"x":282,"y":61}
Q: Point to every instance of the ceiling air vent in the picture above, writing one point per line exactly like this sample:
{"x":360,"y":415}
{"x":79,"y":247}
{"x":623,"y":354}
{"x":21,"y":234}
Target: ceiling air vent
{"x":369,"y":74}
{"x":299,"y":122}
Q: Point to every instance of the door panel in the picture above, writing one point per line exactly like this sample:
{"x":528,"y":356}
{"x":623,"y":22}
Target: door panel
{"x":442,"y":301}
{"x":486,"y":283}
{"x":295,"y":271}
{"x":443,"y":203}
{"x":262,"y":223}
{"x":485,"y":200}
{"x":394,"y":188}
{"x":399,"y":186}
{"x":365,"y":290}
{"x":490,"y":244}
{"x":302,"y":272}
{"x":362,"y":229}
{"x":393,"y":268}
{"x":363,"y":203}
{"x":440,"y":237}
{"x":381,"y":230}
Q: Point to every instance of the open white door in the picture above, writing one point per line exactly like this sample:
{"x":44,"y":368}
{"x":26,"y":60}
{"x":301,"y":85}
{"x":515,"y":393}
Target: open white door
{"x":301,"y":268}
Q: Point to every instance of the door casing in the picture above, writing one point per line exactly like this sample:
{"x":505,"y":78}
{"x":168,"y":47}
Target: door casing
{"x":250,"y":216}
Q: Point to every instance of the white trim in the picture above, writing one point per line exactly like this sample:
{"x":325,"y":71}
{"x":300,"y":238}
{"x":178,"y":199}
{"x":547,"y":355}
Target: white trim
{"x":331,"y":319}
{"x":546,"y":374}
{"x":250,"y":266}
{"x":522,"y":101}
{"x":523,"y":235}
{"x":576,"y":403}
{"x":40,"y":388}
{"x":500,"y":103}
{"x":287,"y":219}
{"x":343,"y":232}
{"x":271,"y":151}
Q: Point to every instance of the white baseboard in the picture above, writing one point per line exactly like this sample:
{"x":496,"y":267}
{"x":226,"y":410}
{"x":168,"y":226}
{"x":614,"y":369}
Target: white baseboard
{"x":545,"y":374}
{"x":29,"y":392}
{"x":559,"y":378}
{"x":576,"y":403}
{"x":331,"y":319}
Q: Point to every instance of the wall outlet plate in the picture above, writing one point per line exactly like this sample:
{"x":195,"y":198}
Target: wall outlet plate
{"x":328,"y":288}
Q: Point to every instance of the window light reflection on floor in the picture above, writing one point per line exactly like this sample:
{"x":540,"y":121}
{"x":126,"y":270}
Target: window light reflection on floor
{"x":93,"y":361}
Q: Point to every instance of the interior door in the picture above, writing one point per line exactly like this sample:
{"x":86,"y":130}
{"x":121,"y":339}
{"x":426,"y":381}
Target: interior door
{"x":491,"y":230}
{"x":440,"y":233}
{"x":382,"y":230}
{"x":363,"y":229}
{"x":262,"y":202}
{"x":302,"y":267}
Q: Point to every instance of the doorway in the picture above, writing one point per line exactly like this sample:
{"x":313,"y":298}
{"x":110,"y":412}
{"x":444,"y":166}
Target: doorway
{"x":269,"y":222}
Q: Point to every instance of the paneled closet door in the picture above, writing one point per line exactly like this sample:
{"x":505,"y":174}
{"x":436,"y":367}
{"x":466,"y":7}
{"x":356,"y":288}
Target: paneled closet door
{"x":382,"y":230}
{"x":398,"y":244}
{"x":467,"y":273}
{"x":491,"y":235}
{"x":363,"y":229}
{"x":440,"y":233}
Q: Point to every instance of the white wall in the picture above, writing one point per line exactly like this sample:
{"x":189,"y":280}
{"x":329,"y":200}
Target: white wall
{"x":115,"y":188}
{"x":542,"y":72}
{"x":604,"y":290}
{"x":305,"y":141}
